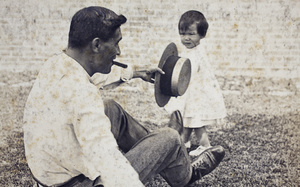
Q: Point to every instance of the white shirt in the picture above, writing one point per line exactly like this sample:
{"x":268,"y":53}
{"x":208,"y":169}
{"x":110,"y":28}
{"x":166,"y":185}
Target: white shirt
{"x":66,"y":132}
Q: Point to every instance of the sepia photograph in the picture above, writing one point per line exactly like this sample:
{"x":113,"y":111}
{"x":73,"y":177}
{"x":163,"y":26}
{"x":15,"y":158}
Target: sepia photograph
{"x":155,"y":93}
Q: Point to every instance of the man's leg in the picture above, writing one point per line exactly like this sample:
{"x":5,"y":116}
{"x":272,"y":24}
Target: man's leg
{"x":176,"y":121}
{"x":161,"y":152}
{"x":125,"y":128}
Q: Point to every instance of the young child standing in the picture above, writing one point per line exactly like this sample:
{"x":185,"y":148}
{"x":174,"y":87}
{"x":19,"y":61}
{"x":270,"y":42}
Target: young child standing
{"x":203,"y":103}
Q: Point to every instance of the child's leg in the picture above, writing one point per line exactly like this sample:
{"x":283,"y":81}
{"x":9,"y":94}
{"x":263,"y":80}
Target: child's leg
{"x":186,"y":137}
{"x":186,"y":134}
{"x":203,"y":140}
{"x":202,"y":136}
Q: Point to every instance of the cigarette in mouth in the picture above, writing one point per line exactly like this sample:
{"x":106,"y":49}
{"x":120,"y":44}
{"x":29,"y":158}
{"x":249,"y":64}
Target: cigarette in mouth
{"x":120,"y":64}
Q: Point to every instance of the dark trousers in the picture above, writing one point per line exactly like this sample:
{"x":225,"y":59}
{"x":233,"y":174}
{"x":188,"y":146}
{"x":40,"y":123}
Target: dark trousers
{"x":150,"y":153}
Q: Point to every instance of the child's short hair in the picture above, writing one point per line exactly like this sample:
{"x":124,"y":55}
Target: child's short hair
{"x":193,"y":16}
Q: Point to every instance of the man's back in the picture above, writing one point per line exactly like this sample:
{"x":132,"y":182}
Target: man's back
{"x":61,"y":90}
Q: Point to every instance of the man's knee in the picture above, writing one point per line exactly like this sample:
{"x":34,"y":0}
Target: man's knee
{"x":109,"y":103}
{"x":111,"y":107}
{"x":170,"y":135}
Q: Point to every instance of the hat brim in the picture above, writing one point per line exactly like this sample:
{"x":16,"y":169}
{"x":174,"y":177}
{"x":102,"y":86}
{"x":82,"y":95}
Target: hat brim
{"x":160,"y":98}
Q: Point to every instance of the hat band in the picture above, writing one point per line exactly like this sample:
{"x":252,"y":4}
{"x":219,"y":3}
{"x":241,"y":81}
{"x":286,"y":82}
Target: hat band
{"x":175,"y":80}
{"x":165,"y":80}
{"x":177,"y":76}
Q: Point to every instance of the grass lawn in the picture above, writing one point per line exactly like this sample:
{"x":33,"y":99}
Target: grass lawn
{"x":261,"y":135}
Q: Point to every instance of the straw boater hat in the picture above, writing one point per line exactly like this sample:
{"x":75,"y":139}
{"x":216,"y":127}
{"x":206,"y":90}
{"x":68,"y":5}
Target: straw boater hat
{"x":177,"y":76}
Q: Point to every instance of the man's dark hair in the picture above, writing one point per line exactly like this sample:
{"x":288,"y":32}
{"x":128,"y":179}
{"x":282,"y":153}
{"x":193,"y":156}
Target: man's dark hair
{"x":92,"y":22}
{"x":193,"y":16}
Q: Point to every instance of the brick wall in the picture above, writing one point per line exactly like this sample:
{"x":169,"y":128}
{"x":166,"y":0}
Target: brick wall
{"x":254,"y":38}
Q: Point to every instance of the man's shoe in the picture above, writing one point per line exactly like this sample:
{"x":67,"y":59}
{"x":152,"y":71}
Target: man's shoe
{"x":207,"y":162}
{"x":176,"y":121}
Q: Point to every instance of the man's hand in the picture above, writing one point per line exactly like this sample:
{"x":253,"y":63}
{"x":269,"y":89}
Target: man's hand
{"x":147,"y":75}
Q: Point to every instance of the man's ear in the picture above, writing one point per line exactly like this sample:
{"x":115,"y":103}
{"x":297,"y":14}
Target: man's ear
{"x":96,"y":45}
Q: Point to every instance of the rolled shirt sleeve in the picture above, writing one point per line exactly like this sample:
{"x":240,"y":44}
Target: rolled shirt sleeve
{"x":116,"y":75}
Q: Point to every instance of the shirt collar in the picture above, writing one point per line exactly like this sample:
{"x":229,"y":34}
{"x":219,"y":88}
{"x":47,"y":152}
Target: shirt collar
{"x":73,"y":64}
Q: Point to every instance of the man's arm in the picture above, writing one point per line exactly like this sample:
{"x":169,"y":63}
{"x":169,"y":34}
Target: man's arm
{"x":119,"y":76}
{"x":93,"y":131}
{"x":147,"y":75}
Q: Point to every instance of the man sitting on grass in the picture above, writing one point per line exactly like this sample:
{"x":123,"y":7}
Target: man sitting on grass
{"x":73,"y":138}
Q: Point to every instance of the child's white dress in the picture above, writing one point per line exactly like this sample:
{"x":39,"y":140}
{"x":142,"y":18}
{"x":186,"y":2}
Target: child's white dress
{"x":203,"y":103}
